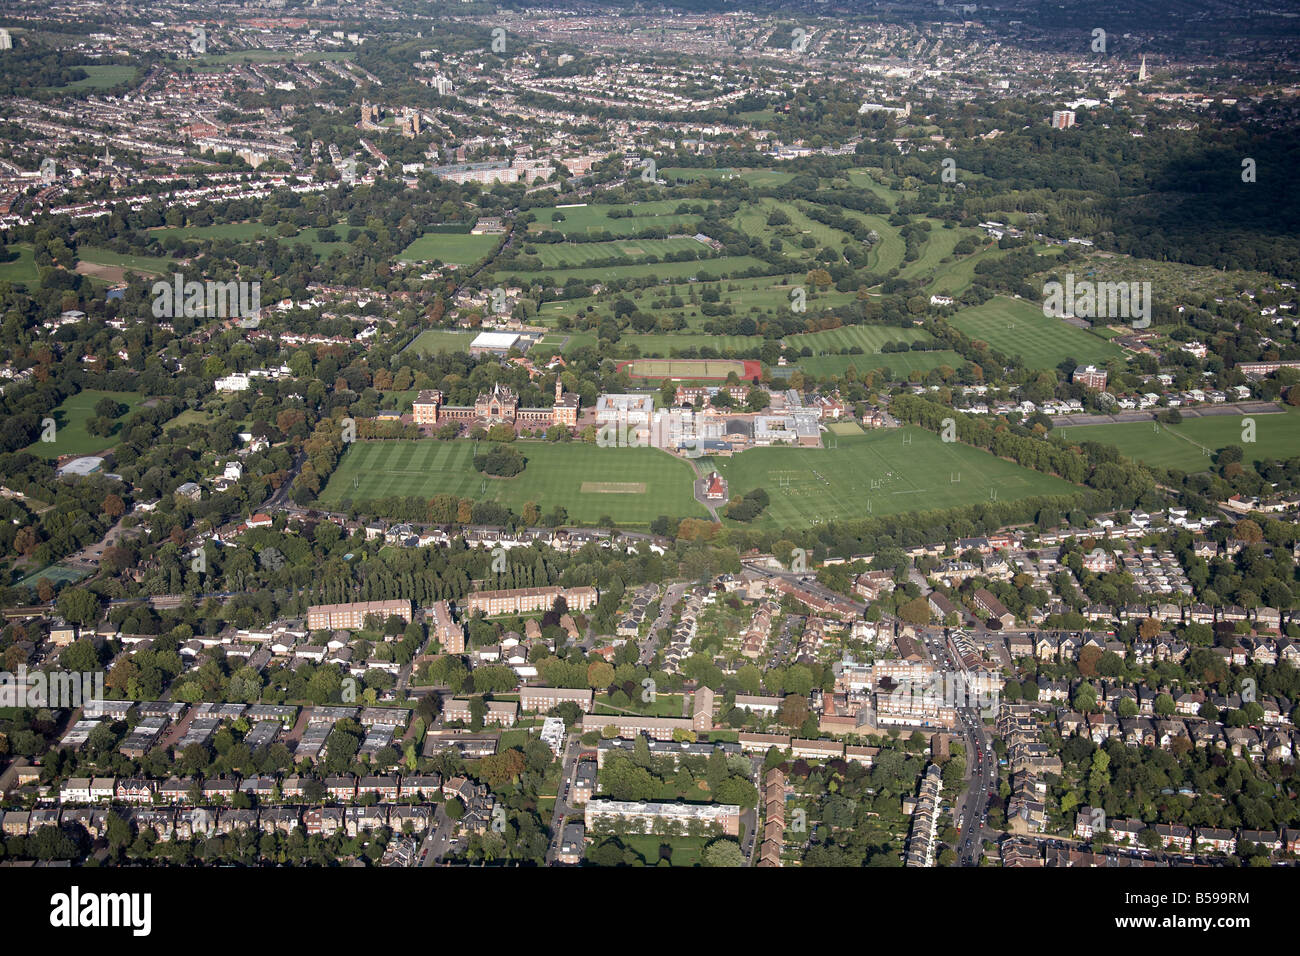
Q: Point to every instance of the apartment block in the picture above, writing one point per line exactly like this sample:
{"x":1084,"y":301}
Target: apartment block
{"x":446,"y":631}
{"x":527,"y":600}
{"x":351,"y":617}
{"x":542,"y":699}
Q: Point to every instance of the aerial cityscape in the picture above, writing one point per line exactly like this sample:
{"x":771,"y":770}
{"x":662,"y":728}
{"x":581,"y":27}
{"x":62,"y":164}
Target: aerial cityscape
{"x":605,"y":434}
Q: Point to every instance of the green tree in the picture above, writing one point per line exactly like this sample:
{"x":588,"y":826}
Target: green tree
{"x":723,"y":853}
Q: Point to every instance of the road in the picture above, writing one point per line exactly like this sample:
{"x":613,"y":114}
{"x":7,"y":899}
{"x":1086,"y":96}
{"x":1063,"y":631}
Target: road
{"x":279,"y":499}
{"x":663,"y":622}
{"x":438,"y":841}
{"x":749,"y":817}
{"x":699,"y":486}
{"x":807,"y":581}
{"x":971,"y":808}
{"x":568,"y":763}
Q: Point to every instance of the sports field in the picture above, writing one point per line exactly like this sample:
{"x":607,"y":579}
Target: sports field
{"x":573,"y":255}
{"x":663,"y":344}
{"x":56,"y":574}
{"x":457,"y":248}
{"x":1184,"y":447}
{"x":613,"y":488}
{"x":898,"y":363}
{"x":883,"y":472}
{"x":845,"y":428}
{"x":595,"y":219}
{"x":867,"y":337}
{"x":1016,"y":327}
{"x":589,"y":481}
{"x":433,"y":341}
{"x":682,"y":370}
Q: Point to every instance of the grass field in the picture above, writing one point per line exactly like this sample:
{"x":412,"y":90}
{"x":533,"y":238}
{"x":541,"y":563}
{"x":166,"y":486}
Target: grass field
{"x":433,"y":341}
{"x":826,"y":361}
{"x":22,"y":269}
{"x":867,"y":337}
{"x":1017,"y":327}
{"x":562,"y":342}
{"x":100,"y":78}
{"x":898,"y":363}
{"x":574,"y":255}
{"x":877,"y":474}
{"x":240,"y":232}
{"x":888,"y":253}
{"x":753,"y":296}
{"x":145,"y":265}
{"x":457,"y":248}
{"x":235,"y":231}
{"x":862,"y":178}
{"x":751,"y":220}
{"x":683,"y":851}
{"x":690,"y":369}
{"x":845,"y":428}
{"x":191,"y":416}
{"x":70,"y":436}
{"x":704,"y":269}
{"x":555,"y":475}
{"x":938,"y":247}
{"x":1183,"y":447}
{"x":595,"y":218}
{"x":758,"y":178}
{"x":663,"y":343}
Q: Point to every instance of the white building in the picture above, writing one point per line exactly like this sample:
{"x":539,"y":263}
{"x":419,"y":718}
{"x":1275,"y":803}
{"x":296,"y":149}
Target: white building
{"x":553,"y":734}
{"x":234,"y":382}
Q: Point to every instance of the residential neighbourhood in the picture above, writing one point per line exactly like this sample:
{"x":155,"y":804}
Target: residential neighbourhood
{"x":449,"y":436}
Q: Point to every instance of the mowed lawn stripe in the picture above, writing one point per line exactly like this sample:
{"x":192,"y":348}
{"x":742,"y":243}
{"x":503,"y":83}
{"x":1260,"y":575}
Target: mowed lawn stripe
{"x":1182,"y":446}
{"x":835,"y":484}
{"x":554,"y":476}
{"x":1016,"y":327}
